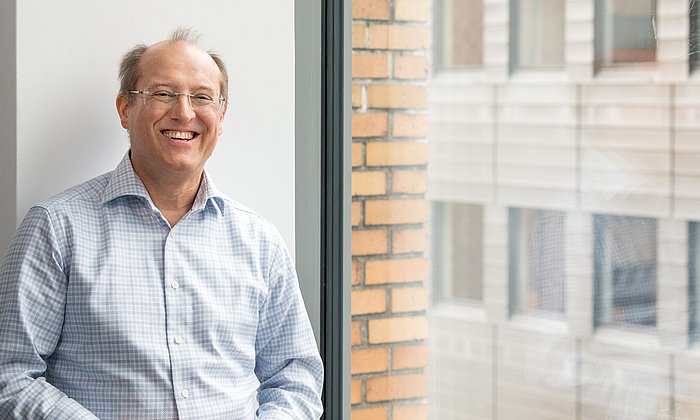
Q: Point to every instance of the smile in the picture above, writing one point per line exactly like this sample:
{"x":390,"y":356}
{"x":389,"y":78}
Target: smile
{"x":179,"y":135}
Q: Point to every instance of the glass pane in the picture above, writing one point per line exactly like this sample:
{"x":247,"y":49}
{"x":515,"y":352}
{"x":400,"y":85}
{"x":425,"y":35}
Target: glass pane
{"x":694,"y":281}
{"x":536,"y":261}
{"x":458,"y":33}
{"x":625,"y":31}
{"x":694,"y":38}
{"x":458,"y":249}
{"x":550,"y":278}
{"x":625,"y":270}
{"x":537,"y":33}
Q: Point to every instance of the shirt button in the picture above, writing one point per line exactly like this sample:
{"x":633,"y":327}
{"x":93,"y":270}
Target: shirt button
{"x":172,"y":234}
{"x":175,"y":285}
{"x":177,"y":339}
{"x":185,"y":393}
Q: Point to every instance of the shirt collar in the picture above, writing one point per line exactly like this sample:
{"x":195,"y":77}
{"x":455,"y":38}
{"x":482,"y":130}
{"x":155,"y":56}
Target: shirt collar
{"x":125,"y":182}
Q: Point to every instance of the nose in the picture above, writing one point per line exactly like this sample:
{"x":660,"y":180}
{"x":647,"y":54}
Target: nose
{"x":182,"y":109}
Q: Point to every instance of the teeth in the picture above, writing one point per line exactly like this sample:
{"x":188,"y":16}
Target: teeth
{"x":179,"y":135}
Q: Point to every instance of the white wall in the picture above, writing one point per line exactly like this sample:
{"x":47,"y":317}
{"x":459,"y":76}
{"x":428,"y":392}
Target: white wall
{"x":67,"y":126}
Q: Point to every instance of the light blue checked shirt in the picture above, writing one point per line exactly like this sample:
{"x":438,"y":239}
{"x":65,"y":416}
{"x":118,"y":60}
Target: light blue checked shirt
{"x":106,"y":311}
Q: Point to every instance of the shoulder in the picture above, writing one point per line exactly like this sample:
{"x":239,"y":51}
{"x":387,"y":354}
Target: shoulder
{"x":88,"y":193}
{"x":246,"y":217}
{"x":250,"y":227}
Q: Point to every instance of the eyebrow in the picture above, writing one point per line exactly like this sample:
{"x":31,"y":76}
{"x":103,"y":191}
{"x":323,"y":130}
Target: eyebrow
{"x":172,"y":87}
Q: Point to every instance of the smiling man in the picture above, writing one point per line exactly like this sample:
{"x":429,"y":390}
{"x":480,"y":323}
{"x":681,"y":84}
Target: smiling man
{"x":145,"y":292}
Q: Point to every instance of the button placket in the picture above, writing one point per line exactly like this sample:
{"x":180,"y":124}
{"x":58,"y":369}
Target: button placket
{"x":174,"y":300}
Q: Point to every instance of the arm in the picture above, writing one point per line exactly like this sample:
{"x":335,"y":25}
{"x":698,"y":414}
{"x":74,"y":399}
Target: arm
{"x":32,"y":297}
{"x":288,"y":365}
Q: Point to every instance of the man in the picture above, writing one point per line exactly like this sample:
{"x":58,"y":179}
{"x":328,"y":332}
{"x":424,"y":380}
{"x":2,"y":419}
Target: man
{"x":145,"y":293}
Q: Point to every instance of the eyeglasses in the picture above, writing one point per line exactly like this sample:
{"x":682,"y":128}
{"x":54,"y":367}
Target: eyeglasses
{"x":164,"y":99}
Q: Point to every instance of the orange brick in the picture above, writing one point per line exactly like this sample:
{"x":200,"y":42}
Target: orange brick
{"x":394,"y":330}
{"x":409,"y":240}
{"x":410,"y":125}
{"x":359,"y":35}
{"x":356,"y":95}
{"x":390,"y":212}
{"x":356,"y":333}
{"x":356,"y":213}
{"x":416,"y":10}
{"x":410,"y":412}
{"x":370,"y":9}
{"x":369,"y":242}
{"x":396,"y":96}
{"x":402,"y":270}
{"x":368,"y":301}
{"x":396,"y":387}
{"x":396,"y":153}
{"x":368,"y":183}
{"x":369,"y":413}
{"x":409,"y":357}
{"x":410,"y":67}
{"x":409,"y":182}
{"x":356,"y":391}
{"x":369,"y":360}
{"x":370,"y":66}
{"x":398,"y":37}
{"x":369,"y":124}
{"x":408,"y":299}
{"x":357,"y":150}
{"x":356,"y":270}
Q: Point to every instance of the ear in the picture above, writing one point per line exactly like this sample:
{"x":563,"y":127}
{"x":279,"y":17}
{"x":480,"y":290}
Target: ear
{"x":220,"y":127}
{"x":123,"y":110}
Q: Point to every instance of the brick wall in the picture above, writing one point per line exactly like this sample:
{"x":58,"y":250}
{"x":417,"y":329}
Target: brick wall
{"x":389,"y":210}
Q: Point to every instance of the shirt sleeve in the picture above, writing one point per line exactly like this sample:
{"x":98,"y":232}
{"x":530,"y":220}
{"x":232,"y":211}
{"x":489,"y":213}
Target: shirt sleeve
{"x":288,"y":364}
{"x":32,"y":297}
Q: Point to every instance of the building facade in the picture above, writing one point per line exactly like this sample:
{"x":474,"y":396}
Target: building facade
{"x":564,"y":178}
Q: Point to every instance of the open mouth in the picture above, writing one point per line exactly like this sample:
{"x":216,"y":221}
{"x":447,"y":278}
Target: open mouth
{"x":180,"y":135}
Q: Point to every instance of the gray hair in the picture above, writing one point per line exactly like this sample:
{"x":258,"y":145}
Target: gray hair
{"x":129,"y":71}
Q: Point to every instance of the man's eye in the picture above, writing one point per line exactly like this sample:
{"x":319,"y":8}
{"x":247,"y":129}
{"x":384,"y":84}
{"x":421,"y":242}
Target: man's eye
{"x":203,"y":98}
{"x":163,"y":94}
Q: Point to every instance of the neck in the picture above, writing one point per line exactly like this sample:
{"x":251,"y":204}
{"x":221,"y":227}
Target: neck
{"x":173,"y":196}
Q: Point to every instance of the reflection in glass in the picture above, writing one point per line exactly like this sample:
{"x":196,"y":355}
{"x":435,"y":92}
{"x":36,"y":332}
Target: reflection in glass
{"x":625,"y":31}
{"x":459,"y":36}
{"x":694,"y":35}
{"x":625,"y":270}
{"x":536,"y":261}
{"x":458,"y":239}
{"x":537,"y":33}
{"x":693,"y":281}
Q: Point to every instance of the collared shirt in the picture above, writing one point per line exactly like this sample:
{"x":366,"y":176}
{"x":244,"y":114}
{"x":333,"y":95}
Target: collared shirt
{"x":107,"y":311}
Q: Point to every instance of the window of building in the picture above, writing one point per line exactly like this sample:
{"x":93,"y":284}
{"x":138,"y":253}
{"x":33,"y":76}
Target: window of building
{"x":694,"y":34}
{"x":694,"y":281}
{"x":625,"y":32}
{"x":537,"y":33}
{"x":625,"y":270}
{"x":458,"y":251}
{"x":536,"y":261}
{"x":459,"y":38}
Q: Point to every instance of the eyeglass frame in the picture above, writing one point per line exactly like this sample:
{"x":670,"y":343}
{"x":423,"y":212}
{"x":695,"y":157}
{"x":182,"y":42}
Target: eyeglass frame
{"x":147,"y":94}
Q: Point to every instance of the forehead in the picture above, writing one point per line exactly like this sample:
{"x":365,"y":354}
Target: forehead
{"x":179,"y":64}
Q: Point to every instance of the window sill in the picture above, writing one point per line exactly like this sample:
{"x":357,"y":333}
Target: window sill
{"x":626,"y":75}
{"x":450,"y":77}
{"x":539,"y":76}
{"x":463,"y":311}
{"x":539,"y":324}
{"x":641,"y":340}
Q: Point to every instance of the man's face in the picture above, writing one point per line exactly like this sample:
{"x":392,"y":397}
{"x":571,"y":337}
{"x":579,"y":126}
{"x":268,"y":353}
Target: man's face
{"x":175,"y":141}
